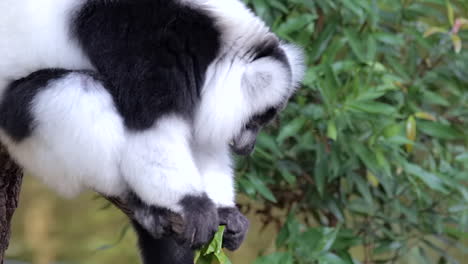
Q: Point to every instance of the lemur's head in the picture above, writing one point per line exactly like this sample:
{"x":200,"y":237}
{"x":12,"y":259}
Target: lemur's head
{"x":269,"y":79}
{"x":246,"y":88}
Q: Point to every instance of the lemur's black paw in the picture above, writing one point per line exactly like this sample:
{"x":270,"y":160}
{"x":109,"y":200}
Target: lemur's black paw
{"x":236,"y":227}
{"x":200,"y":221}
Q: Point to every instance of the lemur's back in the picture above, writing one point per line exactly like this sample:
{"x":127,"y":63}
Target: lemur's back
{"x":35,"y":35}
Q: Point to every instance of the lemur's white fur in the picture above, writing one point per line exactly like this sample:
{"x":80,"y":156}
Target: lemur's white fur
{"x":215,"y":165}
{"x":35,"y":35}
{"x":79,"y":140}
{"x":158,"y":163}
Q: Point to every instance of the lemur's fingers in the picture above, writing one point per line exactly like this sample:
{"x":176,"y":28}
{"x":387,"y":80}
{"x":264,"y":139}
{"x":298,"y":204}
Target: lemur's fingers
{"x":195,"y":226}
{"x":236,"y":224}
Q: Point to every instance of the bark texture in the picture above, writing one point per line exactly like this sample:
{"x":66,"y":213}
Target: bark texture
{"x":11,"y":177}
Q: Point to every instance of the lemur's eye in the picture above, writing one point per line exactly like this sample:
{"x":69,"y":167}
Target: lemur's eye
{"x":268,"y":48}
{"x":249,"y":126}
{"x":266,"y":116}
{"x":263,"y":52}
{"x":271,"y":112}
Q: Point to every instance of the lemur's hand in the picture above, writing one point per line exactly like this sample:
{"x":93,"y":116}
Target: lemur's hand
{"x":236,"y":227}
{"x":194,"y":226}
{"x":200,"y":221}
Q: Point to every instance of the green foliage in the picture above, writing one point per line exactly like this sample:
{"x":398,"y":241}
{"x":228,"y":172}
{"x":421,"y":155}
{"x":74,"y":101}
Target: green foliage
{"x":372,"y":151}
{"x":213,"y":252}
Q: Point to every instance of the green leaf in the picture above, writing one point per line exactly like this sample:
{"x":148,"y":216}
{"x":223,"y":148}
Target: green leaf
{"x":435,"y":98}
{"x":268,"y":142}
{"x":439,"y":130}
{"x":321,"y":175}
{"x":327,"y":240}
{"x":355,"y":43}
{"x":331,"y":130}
{"x":276,"y":258}
{"x":331,"y":258}
{"x":260,"y":186}
{"x":364,"y":154}
{"x":425,"y":116}
{"x":295,"y":23}
{"x":457,"y":43}
{"x":372,"y":179}
{"x":431,"y":180}
{"x":390,"y":39}
{"x":286,"y":173}
{"x":462,"y":157}
{"x":278,"y":5}
{"x":372,"y":107}
{"x":433,"y":30}
{"x":320,"y":45}
{"x":450,"y":12}
{"x":363,"y":188}
{"x":410,"y":132}
{"x":291,"y":129}
{"x":353,"y":7}
{"x":213,"y":250}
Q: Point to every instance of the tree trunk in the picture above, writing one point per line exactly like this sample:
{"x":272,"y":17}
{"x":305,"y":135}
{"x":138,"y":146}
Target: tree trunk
{"x":10,"y":185}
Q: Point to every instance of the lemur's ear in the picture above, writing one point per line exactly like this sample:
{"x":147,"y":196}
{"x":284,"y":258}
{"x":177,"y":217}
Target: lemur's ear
{"x":267,"y":77}
{"x":295,"y":57}
{"x":276,"y":72}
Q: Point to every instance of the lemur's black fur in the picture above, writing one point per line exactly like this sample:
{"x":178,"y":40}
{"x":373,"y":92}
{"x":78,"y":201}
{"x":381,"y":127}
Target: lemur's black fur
{"x":148,"y":75}
{"x":163,"y":250}
{"x":16,"y":118}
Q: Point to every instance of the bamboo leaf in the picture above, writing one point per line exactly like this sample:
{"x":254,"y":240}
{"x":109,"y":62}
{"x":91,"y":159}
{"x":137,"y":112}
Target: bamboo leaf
{"x":410,"y":132}
{"x":439,"y":130}
{"x":434,"y":30}
{"x":425,"y":116}
{"x":372,"y":179}
{"x":331,"y":130}
{"x":457,"y":43}
{"x":450,"y":12}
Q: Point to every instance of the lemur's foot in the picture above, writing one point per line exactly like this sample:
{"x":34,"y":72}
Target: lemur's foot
{"x":236,"y":227}
{"x":200,"y":221}
{"x":195,"y":226}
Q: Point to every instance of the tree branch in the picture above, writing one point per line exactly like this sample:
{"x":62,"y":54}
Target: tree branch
{"x":11,"y":177}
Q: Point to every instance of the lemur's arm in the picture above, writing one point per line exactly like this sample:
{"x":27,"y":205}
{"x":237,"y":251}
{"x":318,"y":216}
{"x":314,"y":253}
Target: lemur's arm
{"x":215,"y":165}
{"x":158,"y":166}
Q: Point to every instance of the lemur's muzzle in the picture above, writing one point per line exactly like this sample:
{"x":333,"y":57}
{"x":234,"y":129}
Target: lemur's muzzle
{"x":244,"y":143}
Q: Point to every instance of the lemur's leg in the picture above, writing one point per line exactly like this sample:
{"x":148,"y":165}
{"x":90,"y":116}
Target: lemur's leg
{"x":157,"y":164}
{"x":215,"y":165}
{"x":63,"y":127}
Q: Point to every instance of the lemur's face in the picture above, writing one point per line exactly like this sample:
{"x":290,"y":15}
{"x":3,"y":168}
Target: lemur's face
{"x":244,"y":90}
{"x":271,"y":78}
{"x":244,"y":142}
